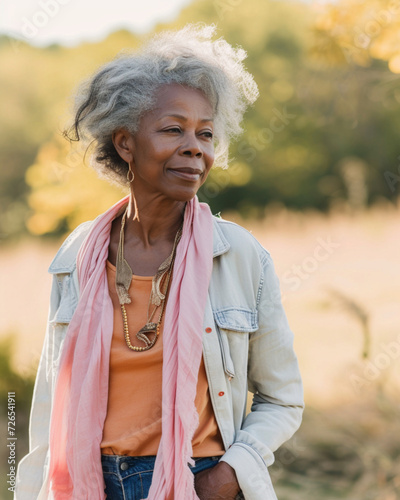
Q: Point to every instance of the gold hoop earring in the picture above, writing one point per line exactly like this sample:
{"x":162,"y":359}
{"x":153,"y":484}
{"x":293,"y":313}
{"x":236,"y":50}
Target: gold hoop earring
{"x":130,"y":175}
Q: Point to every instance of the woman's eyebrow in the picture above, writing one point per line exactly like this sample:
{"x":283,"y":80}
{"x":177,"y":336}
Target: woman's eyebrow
{"x":183,"y":118}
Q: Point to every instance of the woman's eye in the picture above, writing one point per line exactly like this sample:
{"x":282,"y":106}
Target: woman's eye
{"x":177,"y":130}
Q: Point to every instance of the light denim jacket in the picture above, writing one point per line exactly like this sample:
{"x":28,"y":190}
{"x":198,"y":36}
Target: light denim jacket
{"x":249,"y":348}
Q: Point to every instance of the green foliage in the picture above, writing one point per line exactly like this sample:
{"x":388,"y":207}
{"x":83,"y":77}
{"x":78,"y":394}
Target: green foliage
{"x":11,"y":380}
{"x":324,"y":128}
{"x":22,"y":385}
{"x":38,"y":84}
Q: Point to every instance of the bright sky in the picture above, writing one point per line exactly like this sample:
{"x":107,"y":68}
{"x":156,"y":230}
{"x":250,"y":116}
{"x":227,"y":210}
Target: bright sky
{"x":41,"y":22}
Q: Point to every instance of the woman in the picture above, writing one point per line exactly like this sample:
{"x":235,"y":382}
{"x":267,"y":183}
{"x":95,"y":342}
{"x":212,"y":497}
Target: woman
{"x":162,"y":316}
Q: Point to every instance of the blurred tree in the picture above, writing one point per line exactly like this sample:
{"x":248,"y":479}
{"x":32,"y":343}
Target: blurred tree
{"x":64,"y":192}
{"x":37,"y":85}
{"x":319,"y":104}
{"x":357,"y":32}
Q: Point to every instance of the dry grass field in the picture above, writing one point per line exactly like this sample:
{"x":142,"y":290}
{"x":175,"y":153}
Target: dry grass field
{"x":340,"y":281}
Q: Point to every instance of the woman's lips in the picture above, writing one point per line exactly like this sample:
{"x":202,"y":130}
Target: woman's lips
{"x":187,"y":174}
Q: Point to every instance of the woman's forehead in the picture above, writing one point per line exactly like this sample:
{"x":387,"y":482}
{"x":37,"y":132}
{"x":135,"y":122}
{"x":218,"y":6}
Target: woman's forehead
{"x":180,"y":101}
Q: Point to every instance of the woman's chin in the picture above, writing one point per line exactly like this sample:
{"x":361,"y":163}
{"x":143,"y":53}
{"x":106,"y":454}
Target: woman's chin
{"x":183,"y":194}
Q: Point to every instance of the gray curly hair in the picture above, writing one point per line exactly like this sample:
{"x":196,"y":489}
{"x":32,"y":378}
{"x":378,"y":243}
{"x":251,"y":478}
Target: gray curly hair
{"x":122,"y":90}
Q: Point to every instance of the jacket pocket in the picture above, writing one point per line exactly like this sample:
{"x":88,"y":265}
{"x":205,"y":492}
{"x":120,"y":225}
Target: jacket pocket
{"x":234,"y":320}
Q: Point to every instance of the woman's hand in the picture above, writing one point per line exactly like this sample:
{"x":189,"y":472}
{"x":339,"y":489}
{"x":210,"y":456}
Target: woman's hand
{"x":217,"y":483}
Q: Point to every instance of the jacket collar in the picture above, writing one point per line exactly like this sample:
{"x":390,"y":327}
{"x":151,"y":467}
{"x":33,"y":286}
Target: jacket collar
{"x":220,"y":243}
{"x":65,"y":260}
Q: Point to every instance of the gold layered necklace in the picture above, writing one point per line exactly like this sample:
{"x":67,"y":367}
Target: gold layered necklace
{"x":158,"y":295}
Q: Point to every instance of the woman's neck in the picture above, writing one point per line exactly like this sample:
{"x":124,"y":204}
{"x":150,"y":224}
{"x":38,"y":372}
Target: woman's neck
{"x":157,"y":220}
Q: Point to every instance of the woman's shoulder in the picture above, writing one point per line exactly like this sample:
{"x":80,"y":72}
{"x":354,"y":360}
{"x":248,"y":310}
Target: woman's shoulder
{"x":239,"y":239}
{"x":227,"y":236}
{"x":65,"y":259}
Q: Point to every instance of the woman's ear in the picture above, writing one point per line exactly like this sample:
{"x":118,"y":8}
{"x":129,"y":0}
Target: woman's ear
{"x":123,"y":143}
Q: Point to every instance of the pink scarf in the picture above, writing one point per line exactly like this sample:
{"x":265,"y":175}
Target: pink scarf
{"x":81,"y":392}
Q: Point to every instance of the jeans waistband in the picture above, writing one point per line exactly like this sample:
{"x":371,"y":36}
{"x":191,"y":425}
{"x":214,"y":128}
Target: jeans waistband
{"x":118,"y":463}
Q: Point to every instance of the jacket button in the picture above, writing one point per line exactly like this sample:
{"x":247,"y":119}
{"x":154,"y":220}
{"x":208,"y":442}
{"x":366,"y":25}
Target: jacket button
{"x":208,"y":330}
{"x":221,"y":393}
{"x":124,"y":466}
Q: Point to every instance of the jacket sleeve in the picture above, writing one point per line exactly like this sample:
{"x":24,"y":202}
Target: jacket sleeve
{"x":31,"y":469}
{"x":275,"y":381}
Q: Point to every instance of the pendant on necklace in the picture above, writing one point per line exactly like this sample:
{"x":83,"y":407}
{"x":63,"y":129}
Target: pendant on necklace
{"x":143,"y":332}
{"x":149,"y":328}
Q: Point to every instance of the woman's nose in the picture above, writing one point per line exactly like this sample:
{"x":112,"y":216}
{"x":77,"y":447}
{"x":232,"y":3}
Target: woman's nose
{"x":191,"y":147}
{"x":193,"y":152}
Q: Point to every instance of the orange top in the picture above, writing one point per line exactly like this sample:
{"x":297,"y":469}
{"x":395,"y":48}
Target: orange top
{"x":133,"y":422}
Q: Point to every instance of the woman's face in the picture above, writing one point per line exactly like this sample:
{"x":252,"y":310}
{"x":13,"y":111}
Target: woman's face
{"x":173,"y":150}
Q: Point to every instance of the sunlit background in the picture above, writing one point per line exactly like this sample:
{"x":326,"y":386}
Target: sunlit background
{"x":315,"y":177}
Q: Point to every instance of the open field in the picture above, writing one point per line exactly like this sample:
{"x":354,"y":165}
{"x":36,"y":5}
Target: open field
{"x":340,"y":280}
{"x":328,"y":266}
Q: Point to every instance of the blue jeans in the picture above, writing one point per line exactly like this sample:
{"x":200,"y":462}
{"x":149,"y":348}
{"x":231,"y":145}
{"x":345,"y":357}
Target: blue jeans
{"x":129,"y":478}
